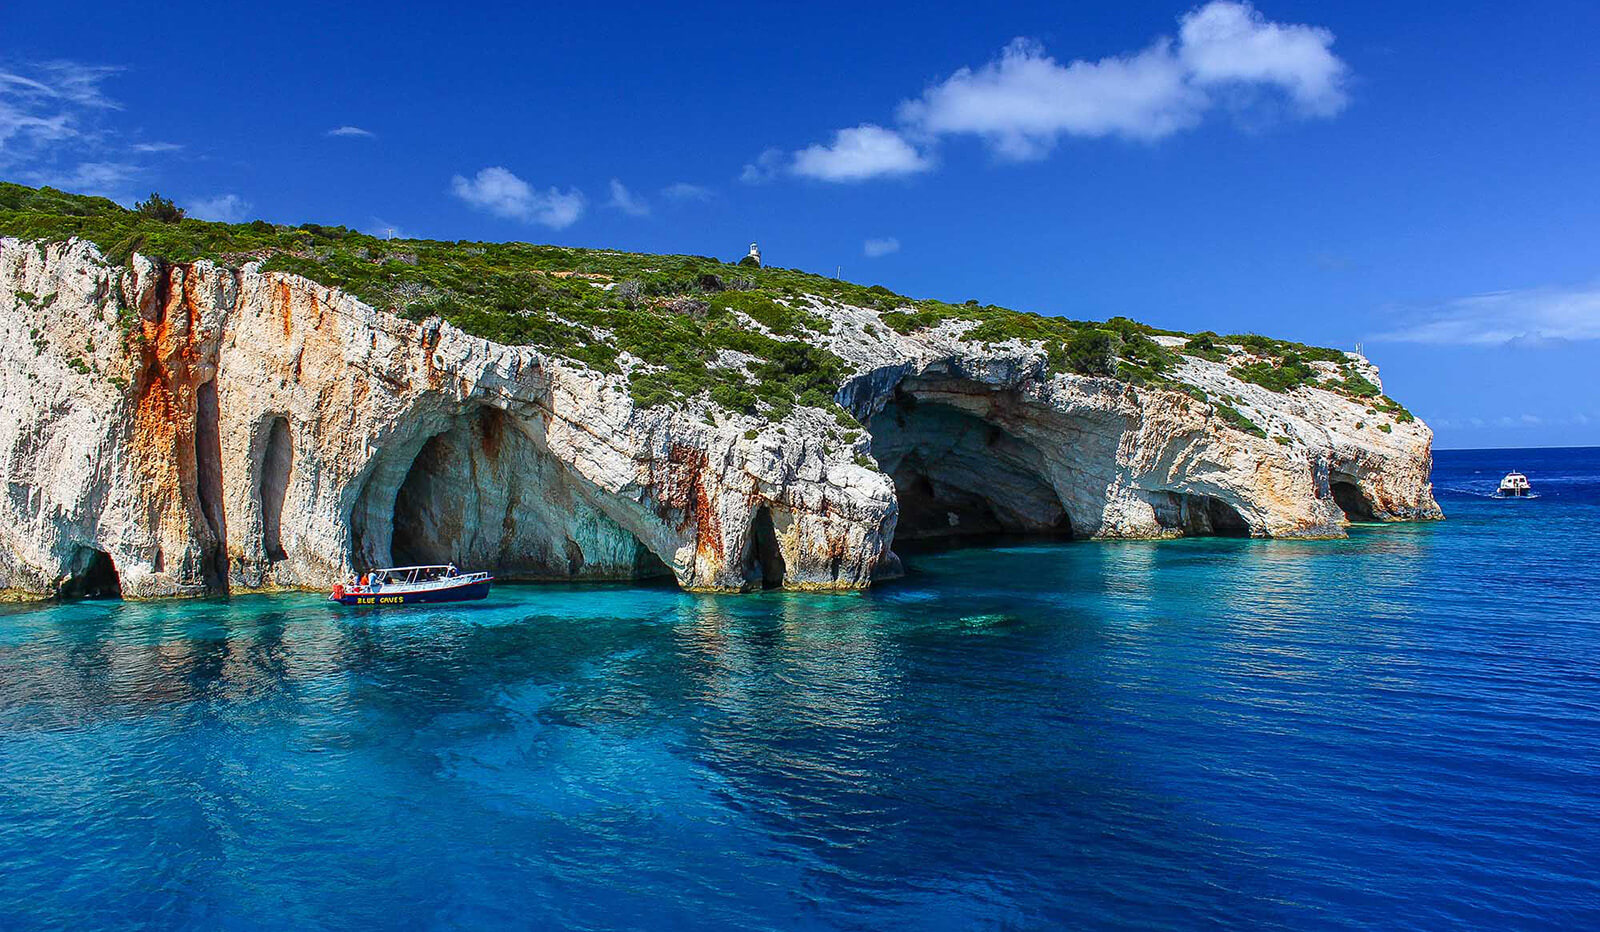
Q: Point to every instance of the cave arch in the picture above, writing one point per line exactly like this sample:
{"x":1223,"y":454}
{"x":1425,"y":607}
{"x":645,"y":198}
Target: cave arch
{"x":92,"y":575}
{"x":482,"y":491}
{"x":272,"y":484}
{"x":1192,"y":514}
{"x":1355,"y":504}
{"x":961,"y":477}
{"x":762,"y":561}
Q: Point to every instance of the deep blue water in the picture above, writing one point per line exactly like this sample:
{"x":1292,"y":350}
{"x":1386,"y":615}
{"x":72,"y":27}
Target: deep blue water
{"x":1401,"y":730}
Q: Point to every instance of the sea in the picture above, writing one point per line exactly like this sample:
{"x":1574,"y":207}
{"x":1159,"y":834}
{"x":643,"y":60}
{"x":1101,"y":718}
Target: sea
{"x":1396,"y":731}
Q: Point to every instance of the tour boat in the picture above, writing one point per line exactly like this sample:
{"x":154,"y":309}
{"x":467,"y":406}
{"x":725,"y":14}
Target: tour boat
{"x":1514,"y":485}
{"x":411,"y":585}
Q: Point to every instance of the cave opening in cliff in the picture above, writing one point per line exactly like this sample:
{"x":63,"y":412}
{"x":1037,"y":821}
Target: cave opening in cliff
{"x":962,"y":479}
{"x":93,"y":576}
{"x":1350,"y":499}
{"x":763,"y":557}
{"x":426,"y":528}
{"x":485,"y":493}
{"x":1196,"y":515}
{"x":277,"y":461}
{"x":208,"y":475}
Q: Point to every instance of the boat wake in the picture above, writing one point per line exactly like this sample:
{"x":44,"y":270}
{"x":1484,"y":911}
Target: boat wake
{"x":1482,"y":493}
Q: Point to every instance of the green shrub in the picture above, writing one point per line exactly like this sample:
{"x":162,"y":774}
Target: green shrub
{"x":1234,"y":418}
{"x":159,"y":208}
{"x":1290,"y":372}
{"x":1204,"y":345}
{"x":1355,"y":385}
{"x":1090,"y":352}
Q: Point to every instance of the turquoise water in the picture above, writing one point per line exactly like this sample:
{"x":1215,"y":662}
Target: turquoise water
{"x":1401,"y":730}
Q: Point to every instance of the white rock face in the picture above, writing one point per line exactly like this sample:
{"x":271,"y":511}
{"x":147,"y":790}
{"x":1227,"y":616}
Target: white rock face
{"x":199,"y":429}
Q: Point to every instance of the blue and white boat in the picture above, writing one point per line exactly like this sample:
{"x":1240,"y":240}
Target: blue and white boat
{"x":413,"y":585}
{"x":1514,"y":485}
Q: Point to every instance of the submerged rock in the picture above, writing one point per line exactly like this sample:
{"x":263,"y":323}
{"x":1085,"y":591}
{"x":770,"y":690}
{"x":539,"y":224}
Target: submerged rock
{"x":181,"y":429}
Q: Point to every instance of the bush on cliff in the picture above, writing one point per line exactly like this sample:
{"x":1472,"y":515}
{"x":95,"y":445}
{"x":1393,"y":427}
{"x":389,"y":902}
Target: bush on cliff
{"x":1286,"y":374}
{"x":159,"y":209}
{"x":1090,"y":352}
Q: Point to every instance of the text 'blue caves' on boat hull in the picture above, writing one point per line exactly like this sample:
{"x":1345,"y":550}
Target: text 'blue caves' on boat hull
{"x":413,"y":585}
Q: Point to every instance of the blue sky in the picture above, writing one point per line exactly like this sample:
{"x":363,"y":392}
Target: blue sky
{"x":1419,"y":179}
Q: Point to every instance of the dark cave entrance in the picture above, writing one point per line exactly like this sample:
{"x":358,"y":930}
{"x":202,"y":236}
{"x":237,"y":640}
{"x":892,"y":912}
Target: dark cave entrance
{"x":427,"y":529}
{"x":1224,"y":518}
{"x":961,"y":479}
{"x":1348,"y":496}
{"x":277,"y":461}
{"x":1196,"y":515}
{"x":93,"y":576}
{"x":208,"y":473}
{"x":763,"y":557}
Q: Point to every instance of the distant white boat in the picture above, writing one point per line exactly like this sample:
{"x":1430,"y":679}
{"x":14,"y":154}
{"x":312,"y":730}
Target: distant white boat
{"x":1514,"y":485}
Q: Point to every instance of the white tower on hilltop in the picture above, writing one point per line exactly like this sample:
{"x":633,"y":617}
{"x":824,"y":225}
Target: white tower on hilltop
{"x":755,"y":253}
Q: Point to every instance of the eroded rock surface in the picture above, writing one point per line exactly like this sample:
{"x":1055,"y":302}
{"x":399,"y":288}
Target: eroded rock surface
{"x":182,"y":429}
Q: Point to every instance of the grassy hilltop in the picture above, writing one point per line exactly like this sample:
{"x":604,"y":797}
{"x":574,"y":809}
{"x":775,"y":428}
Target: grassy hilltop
{"x":674,"y":315}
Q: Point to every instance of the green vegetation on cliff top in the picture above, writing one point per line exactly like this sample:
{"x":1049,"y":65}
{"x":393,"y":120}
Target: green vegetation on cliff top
{"x":678,"y":314}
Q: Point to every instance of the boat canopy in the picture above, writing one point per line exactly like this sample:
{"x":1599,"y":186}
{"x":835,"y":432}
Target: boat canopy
{"x":399,"y":574}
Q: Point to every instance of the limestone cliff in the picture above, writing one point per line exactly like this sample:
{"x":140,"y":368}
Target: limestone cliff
{"x":178,"y":429}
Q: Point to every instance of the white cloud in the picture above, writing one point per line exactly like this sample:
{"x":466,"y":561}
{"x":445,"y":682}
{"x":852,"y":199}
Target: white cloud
{"x":497,"y":191}
{"x":626,"y":201}
{"x":766,"y":167}
{"x":1528,"y":317}
{"x":1024,"y":101}
{"x":859,"y":153}
{"x":227,"y":208}
{"x":873,"y":248}
{"x":150,"y":147}
{"x":352,"y":131}
{"x":1230,"y":42}
{"x":684,"y":192}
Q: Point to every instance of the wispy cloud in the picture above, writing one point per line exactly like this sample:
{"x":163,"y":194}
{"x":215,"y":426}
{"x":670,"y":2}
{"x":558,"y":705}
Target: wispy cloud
{"x":626,"y":201}
{"x":873,"y":248}
{"x":497,"y":191}
{"x":764,"y":168}
{"x":46,"y":110}
{"x":54,"y":130}
{"x":352,"y":131}
{"x":106,"y":179}
{"x":684,"y":192}
{"x":226,"y":208}
{"x":1528,"y":317}
{"x":1226,"y":54}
